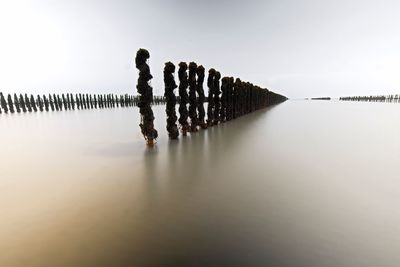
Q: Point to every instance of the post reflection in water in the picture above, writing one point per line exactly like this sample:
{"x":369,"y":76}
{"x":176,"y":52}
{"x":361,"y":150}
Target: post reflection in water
{"x":290,"y":185}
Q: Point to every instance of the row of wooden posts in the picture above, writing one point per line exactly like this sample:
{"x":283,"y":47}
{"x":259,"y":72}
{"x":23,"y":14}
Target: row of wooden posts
{"x":379,"y":98}
{"x":228,"y":98}
{"x":57,"y":102}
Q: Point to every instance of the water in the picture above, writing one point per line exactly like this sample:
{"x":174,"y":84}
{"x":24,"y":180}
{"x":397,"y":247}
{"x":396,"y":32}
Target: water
{"x":298,"y":184}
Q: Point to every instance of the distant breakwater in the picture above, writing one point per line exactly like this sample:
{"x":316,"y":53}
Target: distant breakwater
{"x":228,"y":98}
{"x":24,"y":103}
{"x":378,"y":98}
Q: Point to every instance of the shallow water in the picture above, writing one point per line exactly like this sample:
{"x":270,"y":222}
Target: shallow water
{"x":298,"y":184}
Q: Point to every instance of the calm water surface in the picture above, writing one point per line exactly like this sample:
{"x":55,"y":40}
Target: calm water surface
{"x":299,"y":184}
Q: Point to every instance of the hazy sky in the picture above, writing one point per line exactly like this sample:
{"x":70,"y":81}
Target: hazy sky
{"x":297,"y":48}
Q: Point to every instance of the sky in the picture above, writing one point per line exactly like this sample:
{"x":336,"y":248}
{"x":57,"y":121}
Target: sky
{"x":296,"y":48}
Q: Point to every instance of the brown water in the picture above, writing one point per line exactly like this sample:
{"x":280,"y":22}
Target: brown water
{"x":299,"y":184}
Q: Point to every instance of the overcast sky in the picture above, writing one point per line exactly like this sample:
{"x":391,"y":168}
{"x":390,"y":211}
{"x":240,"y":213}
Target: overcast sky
{"x":297,"y":48}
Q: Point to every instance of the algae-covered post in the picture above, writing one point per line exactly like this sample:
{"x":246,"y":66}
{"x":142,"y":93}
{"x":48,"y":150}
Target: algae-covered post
{"x":51,"y":102}
{"x":202,"y":98}
{"x":224,"y":97}
{"x":16,"y":103}
{"x":146,"y":96}
{"x":33,"y":104}
{"x":3,"y":103}
{"x":22,"y":103}
{"x":72,"y":101}
{"x":210,"y":108}
{"x":39,"y":102}
{"x":10,"y":103}
{"x":192,"y":97}
{"x":170,"y":86}
{"x":28,"y":103}
{"x":46,"y":103}
{"x":217,"y":101}
{"x":184,"y":99}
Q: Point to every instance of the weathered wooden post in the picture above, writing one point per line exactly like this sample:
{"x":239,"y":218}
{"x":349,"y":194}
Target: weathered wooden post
{"x":33,"y":104}
{"x":39,"y":102}
{"x":210,"y":98}
{"x":60,"y":104}
{"x":184,"y":99}
{"x":202,"y":97}
{"x":192,"y":97}
{"x":28,"y":103}
{"x":46,"y":103}
{"x":146,"y":97}
{"x":72,"y":101}
{"x":16,"y":103}
{"x":170,"y":86}
{"x":68,"y":101}
{"x":3,"y":103}
{"x":10,"y":103}
{"x":51,"y":102}
{"x":224,"y":98}
{"x":217,"y":101}
{"x":22,"y":103}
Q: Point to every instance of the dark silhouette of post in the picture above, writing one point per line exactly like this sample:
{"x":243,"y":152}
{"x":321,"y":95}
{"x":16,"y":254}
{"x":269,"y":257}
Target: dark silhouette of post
{"x":10,"y":103}
{"x":170,"y":86}
{"x":28,"y":103}
{"x":146,"y":97}
{"x":22,"y":103}
{"x":224,"y":98}
{"x":192,"y":97}
{"x":202,"y":97}
{"x":33,"y":104}
{"x":16,"y":103}
{"x":217,"y":102}
{"x":184,"y":98}
{"x":39,"y":102}
{"x":210,"y":107}
{"x":51,"y":103}
{"x":3,"y":103}
{"x":46,"y":103}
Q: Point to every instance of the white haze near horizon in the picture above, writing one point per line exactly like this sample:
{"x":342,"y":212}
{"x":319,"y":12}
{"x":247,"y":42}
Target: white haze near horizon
{"x":296,"y":48}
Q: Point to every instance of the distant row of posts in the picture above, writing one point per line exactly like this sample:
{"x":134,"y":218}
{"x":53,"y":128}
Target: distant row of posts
{"x":228,"y":98}
{"x":379,"y":98}
{"x":56,"y":102}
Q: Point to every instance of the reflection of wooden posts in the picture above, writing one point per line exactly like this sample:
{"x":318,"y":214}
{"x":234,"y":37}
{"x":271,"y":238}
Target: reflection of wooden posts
{"x":202,"y":98}
{"x":146,"y":97}
{"x":192,"y":97}
{"x":170,"y":86}
{"x":210,"y":98}
{"x":184,"y":98}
